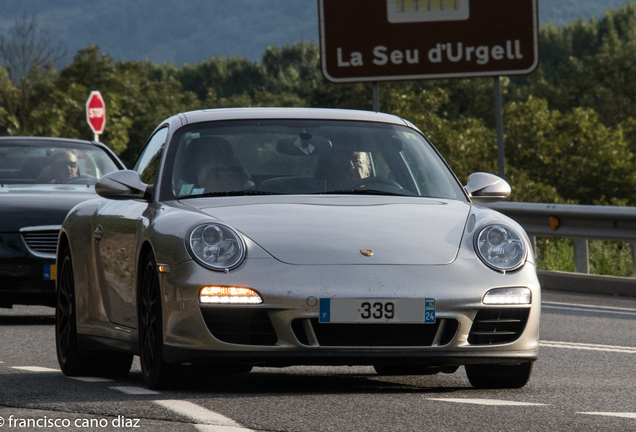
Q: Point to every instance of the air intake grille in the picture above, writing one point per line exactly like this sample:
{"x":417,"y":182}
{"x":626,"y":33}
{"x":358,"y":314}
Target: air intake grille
{"x":495,"y":326}
{"x":244,"y":326}
{"x":43,"y":242}
{"x":378,"y":335}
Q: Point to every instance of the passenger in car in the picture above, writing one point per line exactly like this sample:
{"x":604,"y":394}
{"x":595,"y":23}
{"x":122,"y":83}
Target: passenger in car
{"x":347,"y":168}
{"x":63,"y":168}
{"x":223,"y":173}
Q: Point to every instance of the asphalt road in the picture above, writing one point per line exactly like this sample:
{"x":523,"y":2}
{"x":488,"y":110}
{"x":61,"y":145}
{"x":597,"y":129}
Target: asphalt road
{"x":584,"y":381}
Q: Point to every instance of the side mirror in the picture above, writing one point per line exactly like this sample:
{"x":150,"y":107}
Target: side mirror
{"x":485,"y":188}
{"x":121,"y":185}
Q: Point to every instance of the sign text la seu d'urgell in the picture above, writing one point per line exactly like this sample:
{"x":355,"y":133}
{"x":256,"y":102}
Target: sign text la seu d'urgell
{"x":440,"y":53}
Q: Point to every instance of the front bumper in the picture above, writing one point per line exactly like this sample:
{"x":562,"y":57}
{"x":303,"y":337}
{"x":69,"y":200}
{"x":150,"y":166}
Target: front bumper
{"x":330,"y":357}
{"x":24,"y":278}
{"x":284,"y":329}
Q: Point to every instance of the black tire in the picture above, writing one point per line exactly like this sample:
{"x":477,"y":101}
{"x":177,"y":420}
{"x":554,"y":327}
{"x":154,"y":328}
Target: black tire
{"x":156,"y":372}
{"x":72,"y":361}
{"x":493,"y":376}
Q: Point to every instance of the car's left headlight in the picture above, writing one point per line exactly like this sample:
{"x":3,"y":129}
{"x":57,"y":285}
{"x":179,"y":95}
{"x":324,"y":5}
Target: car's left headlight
{"x":217,"y":246}
{"x":501,"y":247}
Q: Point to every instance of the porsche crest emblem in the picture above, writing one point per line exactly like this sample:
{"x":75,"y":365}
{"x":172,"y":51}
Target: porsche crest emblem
{"x":366,"y":252}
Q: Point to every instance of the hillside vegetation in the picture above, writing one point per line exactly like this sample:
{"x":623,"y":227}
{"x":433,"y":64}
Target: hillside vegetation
{"x":188,"y":31}
{"x":570,"y":127}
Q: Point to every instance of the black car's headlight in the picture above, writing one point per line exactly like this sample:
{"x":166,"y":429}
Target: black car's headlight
{"x":216,"y":246}
{"x":501,"y":247}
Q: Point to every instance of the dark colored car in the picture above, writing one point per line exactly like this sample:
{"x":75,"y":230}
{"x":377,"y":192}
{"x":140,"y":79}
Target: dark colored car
{"x":41,"y":179}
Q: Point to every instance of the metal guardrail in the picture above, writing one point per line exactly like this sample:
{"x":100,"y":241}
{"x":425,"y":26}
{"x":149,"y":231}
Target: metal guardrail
{"x":578,"y":222}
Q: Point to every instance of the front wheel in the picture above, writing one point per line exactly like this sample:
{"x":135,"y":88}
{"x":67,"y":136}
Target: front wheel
{"x":156,"y":372}
{"x":72,"y":361}
{"x":492,"y":376}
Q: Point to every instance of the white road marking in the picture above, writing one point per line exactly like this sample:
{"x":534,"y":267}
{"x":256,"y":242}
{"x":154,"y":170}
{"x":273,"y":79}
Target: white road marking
{"x":35,"y":369}
{"x":212,"y":428}
{"x":589,"y":308}
{"x":588,"y":347}
{"x":611,"y":414}
{"x":487,"y":402}
{"x":132,"y":390}
{"x":91,"y":379}
{"x":201,"y":415}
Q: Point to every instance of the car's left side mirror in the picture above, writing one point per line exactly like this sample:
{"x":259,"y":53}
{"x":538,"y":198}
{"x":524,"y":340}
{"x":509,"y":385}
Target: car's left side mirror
{"x":121,"y":185}
{"x":485,"y":188}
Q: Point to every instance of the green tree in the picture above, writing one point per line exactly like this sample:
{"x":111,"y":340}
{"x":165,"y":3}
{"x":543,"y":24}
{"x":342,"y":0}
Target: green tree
{"x":28,"y":59}
{"x":584,"y":160}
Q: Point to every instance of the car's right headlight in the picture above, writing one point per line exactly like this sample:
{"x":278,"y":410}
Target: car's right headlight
{"x":216,"y":246}
{"x":501,"y":248}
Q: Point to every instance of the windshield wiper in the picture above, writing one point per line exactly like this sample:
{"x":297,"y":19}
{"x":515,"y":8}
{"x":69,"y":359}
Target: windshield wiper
{"x":362,"y":192}
{"x":229,"y":193}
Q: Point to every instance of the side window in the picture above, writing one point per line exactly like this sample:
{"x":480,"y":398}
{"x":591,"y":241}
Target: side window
{"x":150,"y":158}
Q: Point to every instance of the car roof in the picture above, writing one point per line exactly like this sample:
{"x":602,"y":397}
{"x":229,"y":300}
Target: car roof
{"x":12,"y":140}
{"x":288,"y":113}
{"x":52,"y":140}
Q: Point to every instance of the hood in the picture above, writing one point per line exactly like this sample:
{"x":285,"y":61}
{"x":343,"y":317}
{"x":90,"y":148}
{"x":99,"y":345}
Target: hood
{"x":26,"y":205}
{"x":332,"y":231}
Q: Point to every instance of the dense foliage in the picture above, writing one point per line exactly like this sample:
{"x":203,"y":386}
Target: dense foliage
{"x":570,"y":127}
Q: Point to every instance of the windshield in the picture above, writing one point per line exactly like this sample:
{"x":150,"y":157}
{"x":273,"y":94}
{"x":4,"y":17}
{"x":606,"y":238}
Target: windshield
{"x":304,"y":157}
{"x":46,"y":162}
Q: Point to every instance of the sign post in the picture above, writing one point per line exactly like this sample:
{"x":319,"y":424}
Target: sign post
{"x":96,"y":113}
{"x":388,"y":40}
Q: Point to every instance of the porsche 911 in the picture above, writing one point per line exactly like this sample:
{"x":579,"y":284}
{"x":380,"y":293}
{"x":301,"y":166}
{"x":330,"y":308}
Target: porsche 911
{"x":272,"y":237}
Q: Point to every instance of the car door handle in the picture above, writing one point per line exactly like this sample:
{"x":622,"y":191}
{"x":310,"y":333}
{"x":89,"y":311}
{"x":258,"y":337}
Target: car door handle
{"x":99,"y":233}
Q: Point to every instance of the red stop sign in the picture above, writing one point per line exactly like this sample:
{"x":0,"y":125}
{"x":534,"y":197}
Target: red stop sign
{"x":96,"y":112}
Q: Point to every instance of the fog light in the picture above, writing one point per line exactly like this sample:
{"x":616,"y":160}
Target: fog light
{"x":229,"y":295}
{"x":508,"y":296}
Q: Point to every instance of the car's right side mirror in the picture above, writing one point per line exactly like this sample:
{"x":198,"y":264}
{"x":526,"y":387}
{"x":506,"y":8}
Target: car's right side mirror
{"x":121,"y":185}
{"x":485,"y":188}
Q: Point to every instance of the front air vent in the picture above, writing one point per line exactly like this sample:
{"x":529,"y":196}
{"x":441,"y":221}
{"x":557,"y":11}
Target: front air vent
{"x":497,"y":326}
{"x":41,"y":241}
{"x":376,"y":335}
{"x":243,"y":326}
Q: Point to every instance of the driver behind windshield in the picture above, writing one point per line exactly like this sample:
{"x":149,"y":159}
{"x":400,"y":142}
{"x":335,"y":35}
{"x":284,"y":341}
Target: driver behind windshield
{"x":347,"y":168}
{"x":223,"y":173}
{"x":63,"y":168}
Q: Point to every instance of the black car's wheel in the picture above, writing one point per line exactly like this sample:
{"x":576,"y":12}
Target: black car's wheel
{"x":72,"y":361}
{"x":492,"y":376}
{"x":156,"y":372}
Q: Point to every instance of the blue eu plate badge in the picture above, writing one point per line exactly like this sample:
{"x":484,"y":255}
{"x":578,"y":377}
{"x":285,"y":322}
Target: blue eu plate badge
{"x":49,"y":272}
{"x":429,"y":311}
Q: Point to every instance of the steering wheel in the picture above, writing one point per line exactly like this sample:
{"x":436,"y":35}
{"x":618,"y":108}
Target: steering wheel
{"x":366,"y":183}
{"x":81,"y":179}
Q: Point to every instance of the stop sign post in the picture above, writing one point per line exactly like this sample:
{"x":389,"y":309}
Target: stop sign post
{"x":96,"y":113}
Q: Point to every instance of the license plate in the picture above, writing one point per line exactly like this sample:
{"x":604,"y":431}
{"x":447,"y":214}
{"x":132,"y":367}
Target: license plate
{"x":377,"y":310}
{"x":49,"y":272}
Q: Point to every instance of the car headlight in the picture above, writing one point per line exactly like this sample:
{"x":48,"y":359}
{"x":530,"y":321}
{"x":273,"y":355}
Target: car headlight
{"x":501,"y":248}
{"x":217,"y":246}
{"x":508,"y":296}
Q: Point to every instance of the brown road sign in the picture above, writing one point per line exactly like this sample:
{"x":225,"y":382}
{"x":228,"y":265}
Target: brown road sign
{"x":382,"y":40}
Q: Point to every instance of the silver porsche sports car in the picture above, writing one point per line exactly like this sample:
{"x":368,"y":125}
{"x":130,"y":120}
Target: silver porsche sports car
{"x":277,"y":237}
